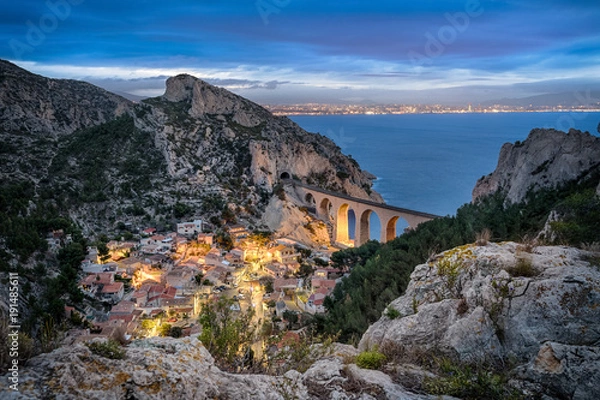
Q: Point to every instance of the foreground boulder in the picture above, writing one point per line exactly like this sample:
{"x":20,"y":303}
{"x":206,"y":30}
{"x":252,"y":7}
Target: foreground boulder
{"x":167,"y":368}
{"x":536,"y":308}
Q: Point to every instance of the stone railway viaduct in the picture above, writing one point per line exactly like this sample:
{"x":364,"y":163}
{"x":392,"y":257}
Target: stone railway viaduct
{"x":333,"y":207}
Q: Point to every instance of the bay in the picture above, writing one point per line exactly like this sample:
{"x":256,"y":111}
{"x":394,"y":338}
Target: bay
{"x":431,"y":162}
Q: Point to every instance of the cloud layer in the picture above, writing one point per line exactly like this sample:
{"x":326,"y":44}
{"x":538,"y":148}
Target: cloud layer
{"x":296,"y":51}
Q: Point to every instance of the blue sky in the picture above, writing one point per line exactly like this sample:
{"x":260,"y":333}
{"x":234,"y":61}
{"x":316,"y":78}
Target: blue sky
{"x":297,"y":51}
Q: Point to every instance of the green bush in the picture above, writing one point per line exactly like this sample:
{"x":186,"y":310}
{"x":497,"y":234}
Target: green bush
{"x":392,"y":313}
{"x":109,"y":349}
{"x":470,"y":383}
{"x":523,"y":267}
{"x":370,"y":360}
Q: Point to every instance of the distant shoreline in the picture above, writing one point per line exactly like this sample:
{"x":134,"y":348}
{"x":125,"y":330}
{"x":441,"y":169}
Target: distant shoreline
{"x":274,"y":111}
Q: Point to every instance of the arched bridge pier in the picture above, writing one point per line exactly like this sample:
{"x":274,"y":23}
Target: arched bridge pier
{"x":333,"y":207}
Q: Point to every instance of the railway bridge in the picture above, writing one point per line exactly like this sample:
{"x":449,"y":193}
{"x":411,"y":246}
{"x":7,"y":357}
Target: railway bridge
{"x":333,"y":207}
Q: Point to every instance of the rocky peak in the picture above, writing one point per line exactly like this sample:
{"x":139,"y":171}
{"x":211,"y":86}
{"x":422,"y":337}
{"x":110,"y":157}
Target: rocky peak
{"x":205,"y":98}
{"x":180,"y":87}
{"x":545,"y":159}
{"x":201,"y":127}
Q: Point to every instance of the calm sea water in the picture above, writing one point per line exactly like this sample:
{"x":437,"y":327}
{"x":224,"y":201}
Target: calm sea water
{"x":430,"y":162}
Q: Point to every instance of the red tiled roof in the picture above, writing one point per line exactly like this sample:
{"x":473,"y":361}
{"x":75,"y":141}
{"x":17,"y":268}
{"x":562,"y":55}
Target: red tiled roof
{"x":113,"y":288}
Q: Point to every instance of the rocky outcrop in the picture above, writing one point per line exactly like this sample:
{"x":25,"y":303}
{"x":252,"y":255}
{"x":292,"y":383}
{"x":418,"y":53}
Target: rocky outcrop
{"x":293,"y":222}
{"x":537,"y":307}
{"x":547,"y":158}
{"x":165,"y":368}
{"x":209,"y":135}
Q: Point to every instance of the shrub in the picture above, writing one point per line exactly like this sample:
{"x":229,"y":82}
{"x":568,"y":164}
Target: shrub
{"x":482,"y":238}
{"x":109,"y":349}
{"x":370,"y":359}
{"x":392,"y":313}
{"x":523,"y":267}
{"x":468,"y":383}
{"x":462,"y":307}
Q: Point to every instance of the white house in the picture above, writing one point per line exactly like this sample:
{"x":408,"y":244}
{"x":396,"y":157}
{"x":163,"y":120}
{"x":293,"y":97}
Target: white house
{"x":189,"y":228}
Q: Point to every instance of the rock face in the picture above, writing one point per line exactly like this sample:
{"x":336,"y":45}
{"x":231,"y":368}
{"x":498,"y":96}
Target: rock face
{"x":546,"y":158}
{"x":474,"y":303}
{"x":202,"y":128}
{"x":289,"y":220}
{"x":165,"y":368}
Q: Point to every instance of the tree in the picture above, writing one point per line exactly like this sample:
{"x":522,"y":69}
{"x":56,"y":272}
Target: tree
{"x":260,"y":238}
{"x":228,"y":215}
{"x":176,"y":332}
{"x":305,"y":270}
{"x":180,"y":210}
{"x":164,"y":329}
{"x":268,"y":284}
{"x":320,"y":262}
{"x":224,"y":241}
{"x":198,"y":278}
{"x":291,"y":317}
{"x":103,"y":252}
{"x":227,"y":334}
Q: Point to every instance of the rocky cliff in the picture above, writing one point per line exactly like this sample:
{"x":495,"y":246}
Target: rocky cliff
{"x":31,"y":104}
{"x":209,"y":135}
{"x":533,"y":310}
{"x":547,"y":158}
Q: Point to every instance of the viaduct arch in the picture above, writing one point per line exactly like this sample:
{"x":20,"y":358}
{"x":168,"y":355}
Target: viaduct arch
{"x":333,"y":207}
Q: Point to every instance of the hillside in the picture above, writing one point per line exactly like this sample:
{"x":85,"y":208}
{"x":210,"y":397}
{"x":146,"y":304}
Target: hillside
{"x":36,"y":111}
{"x":560,"y":205}
{"x":77,"y":158}
{"x":101,"y":159}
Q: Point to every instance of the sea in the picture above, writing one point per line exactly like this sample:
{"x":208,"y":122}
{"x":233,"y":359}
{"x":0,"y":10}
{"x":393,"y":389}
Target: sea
{"x":431,"y":162}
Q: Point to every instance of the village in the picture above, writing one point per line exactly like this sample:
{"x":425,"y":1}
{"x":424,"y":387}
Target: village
{"x":156,"y":283}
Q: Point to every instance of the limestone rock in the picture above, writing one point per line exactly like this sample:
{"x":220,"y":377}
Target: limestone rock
{"x":545,"y":159}
{"x":466,"y":305}
{"x":166,"y":368}
{"x":198,"y":126}
{"x":288,"y":220}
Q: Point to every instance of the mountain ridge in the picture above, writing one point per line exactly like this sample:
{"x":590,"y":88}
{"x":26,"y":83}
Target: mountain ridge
{"x":212,"y":142}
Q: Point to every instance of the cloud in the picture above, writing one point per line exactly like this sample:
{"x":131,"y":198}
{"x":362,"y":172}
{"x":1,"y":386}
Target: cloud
{"x":336,"y":50}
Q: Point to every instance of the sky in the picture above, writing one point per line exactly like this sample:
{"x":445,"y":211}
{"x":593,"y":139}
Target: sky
{"x":307,"y":51}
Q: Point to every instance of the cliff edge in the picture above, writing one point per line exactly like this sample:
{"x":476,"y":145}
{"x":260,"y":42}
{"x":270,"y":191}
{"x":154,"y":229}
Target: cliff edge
{"x":547,"y":158}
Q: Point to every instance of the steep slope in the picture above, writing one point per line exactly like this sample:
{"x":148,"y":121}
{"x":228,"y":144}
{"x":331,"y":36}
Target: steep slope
{"x":34,"y":104}
{"x":35,"y":111}
{"x":547,"y":158}
{"x":101,"y":159}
